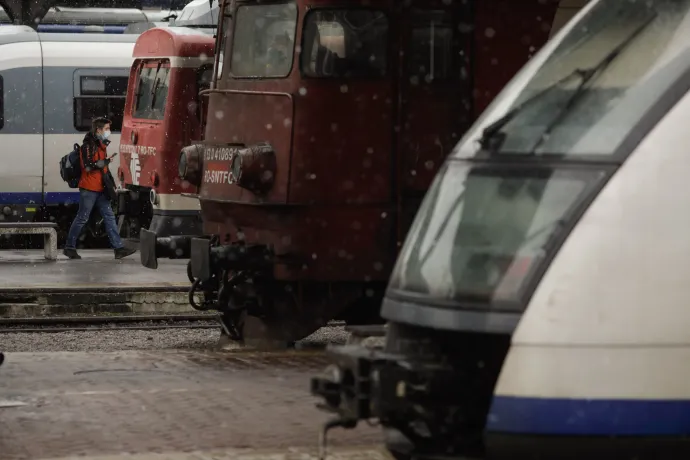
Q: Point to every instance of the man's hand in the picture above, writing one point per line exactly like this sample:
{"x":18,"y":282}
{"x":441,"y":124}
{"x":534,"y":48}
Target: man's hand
{"x":100,"y":164}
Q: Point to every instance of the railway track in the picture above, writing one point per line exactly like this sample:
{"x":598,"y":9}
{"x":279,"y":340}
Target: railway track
{"x":49,"y":324}
{"x":107,"y":323}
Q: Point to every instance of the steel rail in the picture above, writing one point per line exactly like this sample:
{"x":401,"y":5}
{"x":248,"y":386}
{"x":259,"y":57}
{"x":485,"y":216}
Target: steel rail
{"x":101,"y":329}
{"x":103,"y":319}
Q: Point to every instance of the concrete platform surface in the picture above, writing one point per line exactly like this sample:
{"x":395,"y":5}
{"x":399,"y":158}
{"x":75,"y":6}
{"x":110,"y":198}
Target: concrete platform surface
{"x":22,"y":270}
{"x":63,"y":405}
{"x":364,"y":453}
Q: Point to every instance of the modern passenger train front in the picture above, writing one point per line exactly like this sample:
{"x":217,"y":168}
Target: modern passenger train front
{"x":538,"y":307}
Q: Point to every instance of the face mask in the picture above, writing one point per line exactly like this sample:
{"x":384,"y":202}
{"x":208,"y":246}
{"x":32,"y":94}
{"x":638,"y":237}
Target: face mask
{"x":104,"y":136}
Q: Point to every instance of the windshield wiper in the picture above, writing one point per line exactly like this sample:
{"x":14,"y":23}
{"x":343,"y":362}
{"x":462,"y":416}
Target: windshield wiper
{"x":156,"y":84}
{"x":489,"y":140}
{"x":587,"y":75}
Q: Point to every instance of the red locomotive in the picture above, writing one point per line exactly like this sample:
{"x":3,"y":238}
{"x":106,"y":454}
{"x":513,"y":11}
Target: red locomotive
{"x":327,"y":122}
{"x":163,"y":113}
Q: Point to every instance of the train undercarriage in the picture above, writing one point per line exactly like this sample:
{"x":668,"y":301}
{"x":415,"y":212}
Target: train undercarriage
{"x":430,"y":390}
{"x":258,"y":309}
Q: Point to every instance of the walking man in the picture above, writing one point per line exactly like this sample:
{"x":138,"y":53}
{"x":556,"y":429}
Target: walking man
{"x":92,"y":192}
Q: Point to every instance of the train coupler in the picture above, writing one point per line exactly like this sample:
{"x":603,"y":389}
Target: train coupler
{"x":152,"y":248}
{"x":207,"y":259}
{"x":416,"y":398}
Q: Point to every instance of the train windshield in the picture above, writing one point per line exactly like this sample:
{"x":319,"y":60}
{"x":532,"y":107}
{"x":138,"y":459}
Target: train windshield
{"x":483,"y":230}
{"x":340,"y":43}
{"x":264,"y":40}
{"x":598,"y":82}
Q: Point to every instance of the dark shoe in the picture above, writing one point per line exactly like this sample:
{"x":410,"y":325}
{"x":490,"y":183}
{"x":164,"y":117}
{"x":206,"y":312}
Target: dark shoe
{"x":121,"y":253}
{"x":71,"y":253}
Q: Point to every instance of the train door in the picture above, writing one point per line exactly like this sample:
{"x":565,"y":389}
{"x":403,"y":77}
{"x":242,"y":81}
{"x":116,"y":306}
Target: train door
{"x":147,"y":112}
{"x":435,"y":90}
{"x":21,"y":127}
{"x":194,"y":130}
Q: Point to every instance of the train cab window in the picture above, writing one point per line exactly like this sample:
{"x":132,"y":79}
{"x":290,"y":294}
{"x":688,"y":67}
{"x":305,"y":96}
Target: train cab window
{"x":430,"y":51}
{"x":2,"y":103}
{"x":482,"y":232}
{"x":100,"y":96}
{"x":204,"y":78}
{"x":345,"y":43}
{"x":152,"y":91}
{"x":264,"y":41}
{"x":592,"y":91}
{"x":227,"y":31}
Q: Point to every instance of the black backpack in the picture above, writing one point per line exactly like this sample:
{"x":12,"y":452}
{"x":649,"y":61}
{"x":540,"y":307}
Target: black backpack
{"x":70,"y":167}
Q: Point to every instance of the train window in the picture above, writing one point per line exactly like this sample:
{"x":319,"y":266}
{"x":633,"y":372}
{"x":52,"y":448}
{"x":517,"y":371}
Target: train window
{"x":482,"y":232}
{"x":345,"y":43}
{"x":601,"y":79}
{"x":152,"y":92}
{"x":227,"y":30}
{"x":100,"y":96}
{"x":108,"y":86}
{"x":88,"y":108}
{"x":264,"y":40}
{"x":2,"y":103}
{"x":430,"y":52}
{"x":204,"y":77}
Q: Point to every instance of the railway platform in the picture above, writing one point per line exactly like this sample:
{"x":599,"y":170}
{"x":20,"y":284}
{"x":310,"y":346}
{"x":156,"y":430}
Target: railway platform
{"x":163,"y":404}
{"x":33,"y":286}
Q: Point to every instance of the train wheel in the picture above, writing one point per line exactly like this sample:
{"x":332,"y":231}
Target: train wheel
{"x":263,"y":334}
{"x":288,"y":320}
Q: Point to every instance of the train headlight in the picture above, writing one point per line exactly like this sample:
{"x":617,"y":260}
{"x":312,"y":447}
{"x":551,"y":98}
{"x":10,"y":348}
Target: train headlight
{"x":191,"y":164}
{"x":153,"y":196}
{"x":254,"y":168}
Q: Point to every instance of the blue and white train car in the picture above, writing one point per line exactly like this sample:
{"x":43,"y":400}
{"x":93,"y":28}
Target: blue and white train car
{"x":51,"y":86}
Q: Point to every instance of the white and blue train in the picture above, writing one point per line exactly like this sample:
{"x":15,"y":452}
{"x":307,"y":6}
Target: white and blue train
{"x":98,"y":20}
{"x":51,"y":86}
{"x":538,"y":307}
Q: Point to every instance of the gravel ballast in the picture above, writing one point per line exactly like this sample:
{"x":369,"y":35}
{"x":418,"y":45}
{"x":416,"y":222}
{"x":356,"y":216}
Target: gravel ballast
{"x":105,"y":340}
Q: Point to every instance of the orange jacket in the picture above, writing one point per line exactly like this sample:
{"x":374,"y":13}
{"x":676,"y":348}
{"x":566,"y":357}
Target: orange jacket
{"x":92,"y":151}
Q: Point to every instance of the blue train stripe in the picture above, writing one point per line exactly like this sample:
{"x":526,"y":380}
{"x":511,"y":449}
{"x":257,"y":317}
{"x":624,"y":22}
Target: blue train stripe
{"x":78,"y":29}
{"x":53,"y":198}
{"x":50,"y":198}
{"x":595,"y":417}
{"x":21,"y":198}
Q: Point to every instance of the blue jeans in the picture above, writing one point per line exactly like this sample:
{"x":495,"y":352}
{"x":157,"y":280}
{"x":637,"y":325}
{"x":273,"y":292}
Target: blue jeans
{"x":87,"y":201}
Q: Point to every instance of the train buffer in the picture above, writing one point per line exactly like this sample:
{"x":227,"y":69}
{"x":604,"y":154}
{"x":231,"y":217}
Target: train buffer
{"x":359,"y":333}
{"x":47,"y":229}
